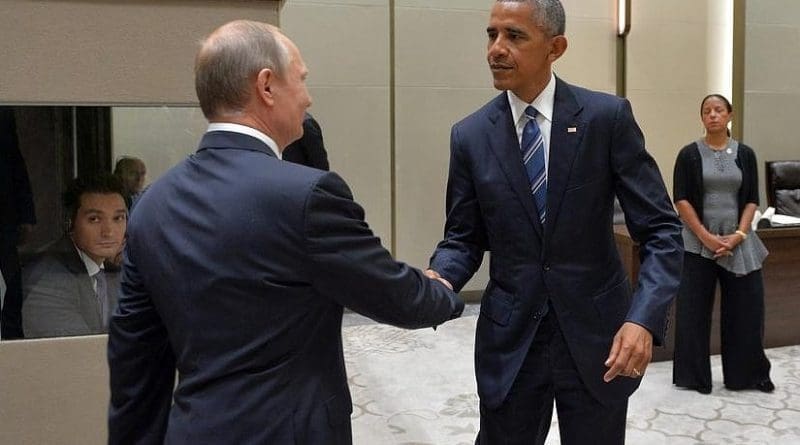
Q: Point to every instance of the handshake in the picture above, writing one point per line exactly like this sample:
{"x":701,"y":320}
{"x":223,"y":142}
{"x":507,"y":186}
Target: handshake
{"x":433,"y":275}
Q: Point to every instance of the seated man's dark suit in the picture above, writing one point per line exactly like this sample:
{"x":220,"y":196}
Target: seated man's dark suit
{"x":59,"y":299}
{"x":236,"y":271}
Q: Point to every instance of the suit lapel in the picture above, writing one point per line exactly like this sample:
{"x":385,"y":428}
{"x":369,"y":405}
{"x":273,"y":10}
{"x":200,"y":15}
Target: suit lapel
{"x":565,"y":136}
{"x":505,"y":145}
{"x":89,"y":307}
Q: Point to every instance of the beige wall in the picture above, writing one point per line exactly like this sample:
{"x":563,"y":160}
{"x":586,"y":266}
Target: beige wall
{"x":673,"y":62}
{"x":440,"y":76}
{"x":107,"y":52}
{"x":345,"y":44}
{"x":772,"y":81}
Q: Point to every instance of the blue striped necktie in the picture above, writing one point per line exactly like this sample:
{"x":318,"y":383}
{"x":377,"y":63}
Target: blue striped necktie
{"x":532,"y":147}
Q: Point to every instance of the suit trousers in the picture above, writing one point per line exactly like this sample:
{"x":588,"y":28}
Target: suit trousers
{"x":744,"y":363}
{"x":549,"y":374}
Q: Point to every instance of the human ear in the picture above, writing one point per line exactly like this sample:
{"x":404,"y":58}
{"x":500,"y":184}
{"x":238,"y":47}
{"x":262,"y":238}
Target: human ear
{"x":558,"y":46}
{"x":264,"y":83}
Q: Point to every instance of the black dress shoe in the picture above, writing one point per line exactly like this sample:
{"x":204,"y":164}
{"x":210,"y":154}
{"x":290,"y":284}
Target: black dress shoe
{"x":765,"y":386}
{"x":702,"y":389}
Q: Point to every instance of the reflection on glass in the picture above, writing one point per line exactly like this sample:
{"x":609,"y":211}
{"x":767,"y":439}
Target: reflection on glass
{"x":159,"y":136}
{"x":59,"y":142}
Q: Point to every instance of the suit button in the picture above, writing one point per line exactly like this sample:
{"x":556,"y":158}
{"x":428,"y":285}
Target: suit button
{"x":536,"y":315}
{"x":546,"y":267}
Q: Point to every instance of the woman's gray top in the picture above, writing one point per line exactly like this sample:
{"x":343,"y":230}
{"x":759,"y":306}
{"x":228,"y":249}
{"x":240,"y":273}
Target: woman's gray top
{"x":721,"y":181}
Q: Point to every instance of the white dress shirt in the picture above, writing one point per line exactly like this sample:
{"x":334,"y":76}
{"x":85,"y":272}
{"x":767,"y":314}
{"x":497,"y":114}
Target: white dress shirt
{"x":91,"y":267}
{"x":250,"y":131}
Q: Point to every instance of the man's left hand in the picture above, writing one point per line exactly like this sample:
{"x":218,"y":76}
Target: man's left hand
{"x":630,"y":353}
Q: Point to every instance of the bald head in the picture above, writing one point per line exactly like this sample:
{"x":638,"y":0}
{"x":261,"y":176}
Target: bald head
{"x":228,"y":61}
{"x":131,"y":171}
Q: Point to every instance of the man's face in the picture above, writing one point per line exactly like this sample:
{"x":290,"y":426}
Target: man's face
{"x":291,"y":98}
{"x":133,"y":177}
{"x":519,"y":53}
{"x":100,"y":224}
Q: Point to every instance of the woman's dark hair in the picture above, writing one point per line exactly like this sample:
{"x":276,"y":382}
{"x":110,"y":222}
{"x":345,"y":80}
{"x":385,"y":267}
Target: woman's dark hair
{"x":718,"y":96}
{"x":724,"y":100}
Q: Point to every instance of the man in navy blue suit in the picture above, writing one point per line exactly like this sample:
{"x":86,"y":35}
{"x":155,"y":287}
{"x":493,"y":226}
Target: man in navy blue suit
{"x":533,"y":176}
{"x":238,"y":265}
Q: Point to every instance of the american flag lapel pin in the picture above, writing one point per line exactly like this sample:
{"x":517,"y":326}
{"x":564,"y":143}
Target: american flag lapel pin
{"x":572,"y":129}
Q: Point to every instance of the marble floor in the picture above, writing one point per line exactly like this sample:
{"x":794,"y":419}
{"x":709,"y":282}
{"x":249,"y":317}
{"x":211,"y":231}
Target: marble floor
{"x":417,"y":388}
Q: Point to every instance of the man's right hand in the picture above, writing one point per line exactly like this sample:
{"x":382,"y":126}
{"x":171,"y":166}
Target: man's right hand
{"x":432,"y":274}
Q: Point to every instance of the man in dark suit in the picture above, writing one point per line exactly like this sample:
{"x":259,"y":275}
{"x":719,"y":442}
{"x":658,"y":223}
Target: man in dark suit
{"x":237,"y":268}
{"x":533,"y":176}
{"x":17,"y":217}
{"x":67,"y":290}
{"x":310,"y":149}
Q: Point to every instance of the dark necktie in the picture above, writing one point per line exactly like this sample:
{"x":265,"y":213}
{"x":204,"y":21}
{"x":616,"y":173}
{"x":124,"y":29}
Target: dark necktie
{"x":532,"y":147}
{"x":102,"y":296}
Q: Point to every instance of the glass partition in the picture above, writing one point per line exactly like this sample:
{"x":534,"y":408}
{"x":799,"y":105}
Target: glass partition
{"x":49,"y":146}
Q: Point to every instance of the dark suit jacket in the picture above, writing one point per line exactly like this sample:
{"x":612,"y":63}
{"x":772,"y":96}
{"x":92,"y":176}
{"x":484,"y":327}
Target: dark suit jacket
{"x":16,"y":208}
{"x":236,"y":270}
{"x":59,"y":299}
{"x":16,"y":197}
{"x":309,"y":150}
{"x":596,"y":152}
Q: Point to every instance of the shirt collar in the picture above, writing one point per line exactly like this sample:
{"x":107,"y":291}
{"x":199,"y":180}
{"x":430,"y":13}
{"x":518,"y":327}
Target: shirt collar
{"x":250,"y":131}
{"x":91,"y":267}
{"x":543,"y":102}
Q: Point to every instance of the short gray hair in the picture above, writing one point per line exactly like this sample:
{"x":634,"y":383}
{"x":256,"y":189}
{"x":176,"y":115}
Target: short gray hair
{"x":547,"y":14}
{"x":229,"y":58}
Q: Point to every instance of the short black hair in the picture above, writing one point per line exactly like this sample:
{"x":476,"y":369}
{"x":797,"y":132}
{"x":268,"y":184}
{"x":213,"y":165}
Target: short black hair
{"x":99,"y":183}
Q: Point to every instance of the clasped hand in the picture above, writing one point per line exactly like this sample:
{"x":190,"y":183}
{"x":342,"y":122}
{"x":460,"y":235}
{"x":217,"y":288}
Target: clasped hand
{"x":722,"y":245}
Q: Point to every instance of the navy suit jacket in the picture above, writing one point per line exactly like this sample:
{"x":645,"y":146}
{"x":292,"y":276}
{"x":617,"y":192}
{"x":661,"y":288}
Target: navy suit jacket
{"x":309,"y":150}
{"x":236,"y":270}
{"x":596,"y":152}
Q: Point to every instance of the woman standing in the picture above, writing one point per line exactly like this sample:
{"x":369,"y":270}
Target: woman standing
{"x":716,"y":194}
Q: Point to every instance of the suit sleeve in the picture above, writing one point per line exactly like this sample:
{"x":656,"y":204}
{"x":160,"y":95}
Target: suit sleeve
{"x":350,"y":266}
{"x":314,"y":145}
{"x":680,"y":174}
{"x":141,"y":365}
{"x":21,"y":192}
{"x":750,"y":174}
{"x":52,"y":303}
{"x":651,"y":221}
{"x":460,"y":253}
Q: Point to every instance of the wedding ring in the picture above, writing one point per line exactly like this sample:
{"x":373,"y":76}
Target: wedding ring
{"x":636,"y":373}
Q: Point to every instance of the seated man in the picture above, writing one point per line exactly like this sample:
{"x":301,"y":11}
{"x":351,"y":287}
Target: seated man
{"x":65,"y":289}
